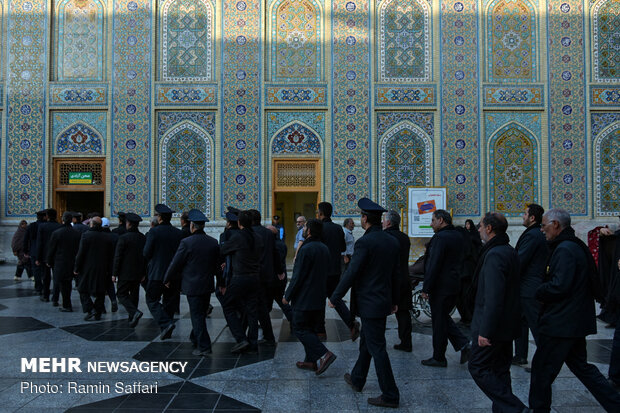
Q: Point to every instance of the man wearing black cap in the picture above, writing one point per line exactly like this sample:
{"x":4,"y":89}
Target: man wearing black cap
{"x":162,"y":242}
{"x":30,"y":250}
{"x":373,"y":274}
{"x":196,"y":263}
{"x":122,"y":226}
{"x":44,"y":232}
{"x":232,"y":226}
{"x":63,"y":247}
{"x":185,"y":229}
{"x":77,"y":223}
{"x":129,"y":267}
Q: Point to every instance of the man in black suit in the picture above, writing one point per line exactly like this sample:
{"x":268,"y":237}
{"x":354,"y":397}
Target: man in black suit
{"x":77,"y":223}
{"x":567,"y":316}
{"x":496,"y":315}
{"x":196,"y":263}
{"x":161,"y":244}
{"x":63,"y":247}
{"x":44,"y":233}
{"x":443,"y":267}
{"x":391,"y":222}
{"x":122,"y":224}
{"x":373,"y":274}
{"x":185,"y":224}
{"x":30,"y":250}
{"x":307,"y":293}
{"x":129,"y":267}
{"x":533,"y":254}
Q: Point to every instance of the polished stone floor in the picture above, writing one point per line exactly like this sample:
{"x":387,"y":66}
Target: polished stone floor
{"x":222,"y":382}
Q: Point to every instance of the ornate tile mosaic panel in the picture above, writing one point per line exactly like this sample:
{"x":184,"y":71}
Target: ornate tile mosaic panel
{"x":605,"y":96}
{"x":186,"y":30}
{"x":350,"y":100}
{"x":81,"y":39}
{"x":606,"y":141}
{"x":513,"y":95}
{"x":25,"y":115}
{"x":79,"y":133}
{"x":194,"y":94}
{"x":606,"y":40}
{"x":297,"y":95}
{"x":567,"y":146}
{"x":296,"y":133}
{"x":404,"y":41}
{"x":131,"y":147}
{"x":241,"y":73}
{"x":394,"y":95}
{"x":459,"y":106}
{"x":78,"y":95}
{"x":296,"y":35}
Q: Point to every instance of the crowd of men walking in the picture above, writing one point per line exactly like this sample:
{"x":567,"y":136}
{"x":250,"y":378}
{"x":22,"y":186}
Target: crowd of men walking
{"x":547,"y":284}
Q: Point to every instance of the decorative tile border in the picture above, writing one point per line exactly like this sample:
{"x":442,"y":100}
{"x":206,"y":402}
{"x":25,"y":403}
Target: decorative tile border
{"x":605,"y":96}
{"x":296,"y":95}
{"x":194,"y":94}
{"x":395,"y":95}
{"x":78,"y":95}
{"x":513,"y":95}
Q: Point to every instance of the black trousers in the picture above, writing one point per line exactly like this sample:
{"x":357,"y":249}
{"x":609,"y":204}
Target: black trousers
{"x":490,"y":369}
{"x":128,"y":293}
{"x":265,"y":301}
{"x":303,"y":328}
{"x":56,"y":285}
{"x":47,"y":280}
{"x":198,"y":305}
{"x":530,"y":308}
{"x":340,"y":307}
{"x":444,"y":328}
{"x":274,"y":291}
{"x":65,"y":287}
{"x":462,"y":301}
{"x":37,"y":272}
{"x":23,"y":265}
{"x":87,"y":303}
{"x":242,"y":293}
{"x":403,"y":317}
{"x":163,"y":313}
{"x":372,"y":346}
{"x":551,"y":354}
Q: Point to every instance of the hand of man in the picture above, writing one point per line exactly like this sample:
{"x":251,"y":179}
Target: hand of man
{"x":346,"y":259}
{"x":619,"y":264}
{"x":223,"y":266}
{"x":37,"y":262}
{"x":329,"y":303}
{"x":483,"y":341}
{"x":425,"y":296}
{"x":281,"y":277}
{"x":284,"y":301}
{"x":167,"y":285}
{"x":394,"y":309}
{"x":113,"y":279}
{"x":222,"y":290}
{"x":75,"y":273}
{"x":606,"y":231}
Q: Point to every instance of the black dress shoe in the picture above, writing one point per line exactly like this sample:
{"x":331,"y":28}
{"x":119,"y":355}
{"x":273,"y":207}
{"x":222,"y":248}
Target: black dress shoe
{"x":379,"y":401}
{"x":519,"y":361}
{"x":349,"y":380}
{"x":55,"y":303}
{"x":615,"y":385}
{"x":466,"y":351}
{"x":65,"y":310}
{"x":355,"y":330}
{"x":114,"y":306}
{"x":89,"y":316}
{"x":202,"y":352}
{"x":403,"y":347}
{"x":240,"y":347}
{"x":325,"y":362}
{"x":97,"y":316}
{"x":167,"y":332}
{"x":267,"y":342}
{"x":431,"y":362}
{"x":136,"y":317}
{"x":44,"y":299}
{"x":306,"y":365}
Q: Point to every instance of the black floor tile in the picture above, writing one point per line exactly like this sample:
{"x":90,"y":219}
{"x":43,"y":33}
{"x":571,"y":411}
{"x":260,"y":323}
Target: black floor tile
{"x":17,"y":292}
{"x":227,"y":403}
{"x":10,"y":325}
{"x":194,"y":401}
{"x":599,"y":351}
{"x":3,"y":307}
{"x":191,"y":388}
{"x":151,"y":401}
{"x":107,"y":405}
{"x":114,"y":330}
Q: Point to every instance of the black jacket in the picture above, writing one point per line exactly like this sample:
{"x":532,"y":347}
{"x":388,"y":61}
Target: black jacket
{"x":81,"y":228}
{"x":373,"y":274}
{"x":497,"y":311}
{"x":333,"y":237}
{"x":195,"y":262}
{"x":270,"y":260}
{"x":533,"y":255}
{"x":404,"y":285}
{"x":120,"y":230}
{"x":444,"y":262}
{"x":30,"y":239}
{"x":161,"y":245}
{"x":308,"y":287}
{"x":568,"y":305}
{"x":246,"y":248}
{"x":62,"y":249}
{"x":282,"y":251}
{"x":129,"y":263}
{"x":44,"y":233}
{"x":93,"y":262}
{"x":186,"y":231}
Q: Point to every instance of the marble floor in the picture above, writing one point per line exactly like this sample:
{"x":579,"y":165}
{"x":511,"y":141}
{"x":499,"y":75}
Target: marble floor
{"x":223,"y":382}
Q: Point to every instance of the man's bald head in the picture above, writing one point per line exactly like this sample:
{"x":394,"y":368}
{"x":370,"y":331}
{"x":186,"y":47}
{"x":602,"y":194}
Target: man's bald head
{"x":95,"y":222}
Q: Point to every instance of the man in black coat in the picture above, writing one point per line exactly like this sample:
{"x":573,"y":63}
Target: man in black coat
{"x":307,"y":293}
{"x":391,"y":222}
{"x":63,"y":247}
{"x":196,"y":263}
{"x":77,"y":223}
{"x":129,"y":267}
{"x":93,"y":266}
{"x":567,"y":316}
{"x":122,"y":224}
{"x":496,"y":316}
{"x":533,"y":255}
{"x":44,"y":233}
{"x":161,"y":244}
{"x":278,"y":286}
{"x":30,"y":250}
{"x":443,"y":266}
{"x":185,"y":224}
{"x":373,"y":274}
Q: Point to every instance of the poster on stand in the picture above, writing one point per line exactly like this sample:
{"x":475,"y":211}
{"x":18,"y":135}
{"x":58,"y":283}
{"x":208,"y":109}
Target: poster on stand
{"x":421,"y":203}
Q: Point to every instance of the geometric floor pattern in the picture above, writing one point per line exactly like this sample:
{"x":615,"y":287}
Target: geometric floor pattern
{"x":223,"y":382}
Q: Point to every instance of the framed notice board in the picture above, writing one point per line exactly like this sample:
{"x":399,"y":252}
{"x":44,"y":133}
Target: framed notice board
{"x":421,"y":203}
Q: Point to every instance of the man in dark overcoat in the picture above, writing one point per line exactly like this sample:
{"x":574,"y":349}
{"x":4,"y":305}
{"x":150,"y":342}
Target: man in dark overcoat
{"x":129,"y":267}
{"x":61,"y":252}
{"x":496,"y":316}
{"x":391,"y":222}
{"x":567,"y":316}
{"x":533,"y":255}
{"x":77,"y":223}
{"x":161,"y":244}
{"x":306,"y":293}
{"x":442,"y":270}
{"x":122,"y":224}
{"x":373,"y":274}
{"x":44,"y":233}
{"x":30,"y":250}
{"x":93,"y":266}
{"x":196,"y":263}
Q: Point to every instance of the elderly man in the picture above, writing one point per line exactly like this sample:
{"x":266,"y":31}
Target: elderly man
{"x":196,"y":263}
{"x":299,"y":237}
{"x":496,"y":315}
{"x":567,"y":317}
